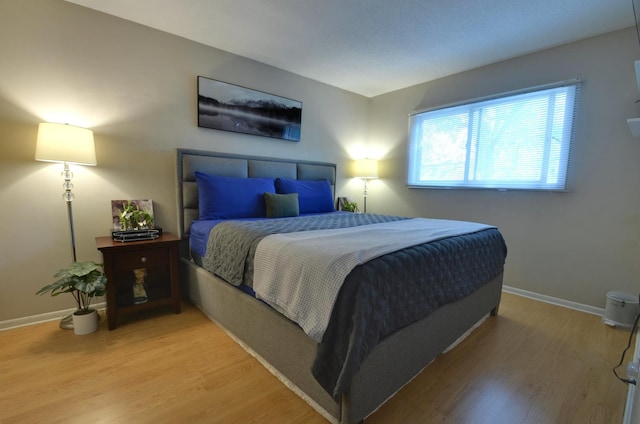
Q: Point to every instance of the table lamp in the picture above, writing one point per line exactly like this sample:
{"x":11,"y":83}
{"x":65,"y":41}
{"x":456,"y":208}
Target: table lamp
{"x":366,"y":169}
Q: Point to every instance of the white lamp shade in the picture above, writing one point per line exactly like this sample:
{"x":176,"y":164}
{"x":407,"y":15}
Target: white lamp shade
{"x":365,"y":168}
{"x":65,"y":143}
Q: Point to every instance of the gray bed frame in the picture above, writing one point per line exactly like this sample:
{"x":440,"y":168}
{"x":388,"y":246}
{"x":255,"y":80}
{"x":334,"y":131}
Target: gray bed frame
{"x":278,"y":342}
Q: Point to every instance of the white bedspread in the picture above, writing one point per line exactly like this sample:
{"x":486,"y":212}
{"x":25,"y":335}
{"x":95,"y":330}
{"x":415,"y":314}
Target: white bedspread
{"x":300,"y":274}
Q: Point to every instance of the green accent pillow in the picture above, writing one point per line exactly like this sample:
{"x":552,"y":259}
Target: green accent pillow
{"x":281,"y":205}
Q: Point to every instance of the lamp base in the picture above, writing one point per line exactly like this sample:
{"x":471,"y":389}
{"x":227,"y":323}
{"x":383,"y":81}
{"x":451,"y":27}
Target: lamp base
{"x":66,"y":323}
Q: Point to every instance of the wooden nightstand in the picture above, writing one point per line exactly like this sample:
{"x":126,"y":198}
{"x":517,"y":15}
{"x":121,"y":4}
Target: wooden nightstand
{"x":147,"y":267}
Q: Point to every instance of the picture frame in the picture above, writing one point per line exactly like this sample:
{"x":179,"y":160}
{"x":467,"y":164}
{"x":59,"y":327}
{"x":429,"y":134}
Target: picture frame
{"x":229,"y":107}
{"x":142,"y":212}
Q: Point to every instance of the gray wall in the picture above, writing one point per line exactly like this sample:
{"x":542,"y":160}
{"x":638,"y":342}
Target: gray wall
{"x":575,"y":246}
{"x":136,"y":89}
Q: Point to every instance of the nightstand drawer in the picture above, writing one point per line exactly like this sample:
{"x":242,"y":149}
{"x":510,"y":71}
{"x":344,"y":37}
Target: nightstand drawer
{"x":150,"y":258}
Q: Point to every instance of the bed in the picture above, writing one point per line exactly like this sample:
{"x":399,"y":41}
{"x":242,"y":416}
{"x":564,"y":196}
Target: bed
{"x":344,"y":377}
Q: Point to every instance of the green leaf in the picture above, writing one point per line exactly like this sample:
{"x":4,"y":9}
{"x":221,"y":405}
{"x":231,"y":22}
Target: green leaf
{"x":84,"y":280}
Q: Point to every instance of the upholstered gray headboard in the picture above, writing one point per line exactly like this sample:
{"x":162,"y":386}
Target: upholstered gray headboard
{"x":231,"y":165}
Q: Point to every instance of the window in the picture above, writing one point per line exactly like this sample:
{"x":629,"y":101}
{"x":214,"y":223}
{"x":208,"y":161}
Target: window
{"x":512,"y":141}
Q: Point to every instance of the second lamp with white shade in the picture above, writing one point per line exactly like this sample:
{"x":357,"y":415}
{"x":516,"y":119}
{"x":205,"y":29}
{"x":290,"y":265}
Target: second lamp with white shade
{"x":365,"y":169}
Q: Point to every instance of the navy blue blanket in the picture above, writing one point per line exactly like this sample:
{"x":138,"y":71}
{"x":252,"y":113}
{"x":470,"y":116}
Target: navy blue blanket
{"x":398,"y":289}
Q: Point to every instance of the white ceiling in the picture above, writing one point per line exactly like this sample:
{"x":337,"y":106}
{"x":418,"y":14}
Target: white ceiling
{"x":371,"y":47}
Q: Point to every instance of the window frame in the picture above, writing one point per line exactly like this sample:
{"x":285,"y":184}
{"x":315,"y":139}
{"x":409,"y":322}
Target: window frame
{"x":467,"y":107}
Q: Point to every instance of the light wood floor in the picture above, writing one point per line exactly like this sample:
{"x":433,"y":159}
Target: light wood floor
{"x":534,"y":363}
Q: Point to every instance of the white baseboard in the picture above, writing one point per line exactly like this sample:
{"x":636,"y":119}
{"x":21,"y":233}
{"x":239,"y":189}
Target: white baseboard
{"x":49,"y":316}
{"x":554,"y":301}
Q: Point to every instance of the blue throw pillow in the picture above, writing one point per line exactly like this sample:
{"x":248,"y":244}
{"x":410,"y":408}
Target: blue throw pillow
{"x":229,"y":197}
{"x":314,"y":196}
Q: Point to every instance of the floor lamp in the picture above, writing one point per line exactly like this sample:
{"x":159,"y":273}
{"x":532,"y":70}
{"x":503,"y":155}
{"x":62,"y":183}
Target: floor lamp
{"x":365,"y":169}
{"x":66,"y":144}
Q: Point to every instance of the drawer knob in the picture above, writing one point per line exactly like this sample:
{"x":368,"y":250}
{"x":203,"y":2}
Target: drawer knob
{"x":143,"y":259}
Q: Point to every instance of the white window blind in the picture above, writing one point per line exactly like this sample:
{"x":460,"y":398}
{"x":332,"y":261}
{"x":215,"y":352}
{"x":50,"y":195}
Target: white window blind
{"x":519,"y":140}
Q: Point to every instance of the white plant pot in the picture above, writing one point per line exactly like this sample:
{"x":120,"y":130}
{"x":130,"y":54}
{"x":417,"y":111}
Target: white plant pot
{"x":85,"y":323}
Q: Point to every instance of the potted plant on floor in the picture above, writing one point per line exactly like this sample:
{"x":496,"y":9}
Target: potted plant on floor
{"x":84,"y":280}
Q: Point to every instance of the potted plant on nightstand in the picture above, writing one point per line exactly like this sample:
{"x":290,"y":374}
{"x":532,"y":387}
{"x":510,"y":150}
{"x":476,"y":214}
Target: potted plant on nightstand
{"x":84,"y":280}
{"x":350,"y":206}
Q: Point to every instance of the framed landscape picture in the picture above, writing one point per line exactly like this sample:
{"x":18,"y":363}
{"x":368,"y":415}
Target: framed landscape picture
{"x":228,"y":107}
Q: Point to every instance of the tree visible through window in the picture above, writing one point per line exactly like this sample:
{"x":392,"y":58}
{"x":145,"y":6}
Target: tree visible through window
{"x":515,"y":141}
